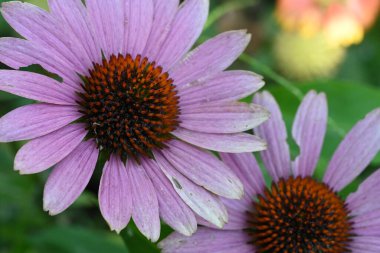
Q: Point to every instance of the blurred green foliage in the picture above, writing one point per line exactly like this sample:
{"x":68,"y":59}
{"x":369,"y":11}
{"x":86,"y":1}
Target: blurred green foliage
{"x":26,"y":228}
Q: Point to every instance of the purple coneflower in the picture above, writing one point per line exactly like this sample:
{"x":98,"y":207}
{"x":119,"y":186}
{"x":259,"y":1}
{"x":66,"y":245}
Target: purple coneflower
{"x":298,"y":213}
{"x":129,"y":91}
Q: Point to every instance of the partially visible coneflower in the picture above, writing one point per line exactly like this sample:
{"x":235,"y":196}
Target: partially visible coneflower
{"x":131,"y":92}
{"x":298,"y":212}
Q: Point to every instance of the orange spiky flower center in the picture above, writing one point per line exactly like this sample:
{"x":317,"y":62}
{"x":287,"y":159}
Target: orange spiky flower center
{"x":300,"y":215}
{"x":130,"y":106}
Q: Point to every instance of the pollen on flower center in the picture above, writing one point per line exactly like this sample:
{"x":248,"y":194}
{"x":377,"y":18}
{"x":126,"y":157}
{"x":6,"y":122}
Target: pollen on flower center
{"x":130,"y":106}
{"x":300,"y":215}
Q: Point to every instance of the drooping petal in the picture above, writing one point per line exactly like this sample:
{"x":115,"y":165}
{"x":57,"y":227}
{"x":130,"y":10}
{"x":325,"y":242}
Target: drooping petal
{"x":145,"y":210}
{"x":201,"y":201}
{"x":211,"y":57}
{"x":230,"y":143}
{"x":73,"y":14}
{"x":308,"y":131}
{"x":367,"y":197}
{"x":365,"y":244}
{"x":203,"y":169}
{"x":226,"y":86}
{"x":164,"y":13}
{"x":43,"y":152}
{"x":139,"y":14}
{"x":207,"y":240}
{"x":115,"y":195}
{"x":32,"y":121}
{"x":35,"y":86}
{"x":367,"y":224}
{"x":187,"y":26}
{"x":40,"y":27}
{"x":70,"y":177}
{"x":222,"y":118}
{"x":17,"y":53}
{"x":173,"y":210}
{"x":355,"y":152}
{"x":277,"y":157}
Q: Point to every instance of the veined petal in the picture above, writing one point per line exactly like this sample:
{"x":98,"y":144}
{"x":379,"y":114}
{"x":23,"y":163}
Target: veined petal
{"x":115,"y":195}
{"x":187,"y":26}
{"x":223,"y":118}
{"x":211,"y":57}
{"x":172,"y":208}
{"x":35,"y":86}
{"x":203,"y":169}
{"x":277,"y":157}
{"x":225,"y":86}
{"x":309,"y":130}
{"x":365,"y":244}
{"x":145,"y":211}
{"x":229,"y":143}
{"x":70,"y":177}
{"x":43,"y":152}
{"x":31,"y":121}
{"x":201,"y":201}
{"x":355,"y":152}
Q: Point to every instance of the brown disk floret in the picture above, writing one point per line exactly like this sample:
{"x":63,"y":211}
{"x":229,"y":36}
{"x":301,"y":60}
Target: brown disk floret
{"x":130,"y":106}
{"x":300,"y":215}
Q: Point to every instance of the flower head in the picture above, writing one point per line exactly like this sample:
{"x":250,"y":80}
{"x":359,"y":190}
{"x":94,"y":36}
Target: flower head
{"x":298,"y":212}
{"x":128,"y":89}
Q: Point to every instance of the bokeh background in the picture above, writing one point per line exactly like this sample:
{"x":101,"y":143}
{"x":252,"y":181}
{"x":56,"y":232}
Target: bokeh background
{"x":294,"y":54}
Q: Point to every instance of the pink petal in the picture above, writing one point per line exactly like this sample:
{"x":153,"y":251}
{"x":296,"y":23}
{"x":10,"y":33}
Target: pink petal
{"x":207,"y":240}
{"x":43,"y":152}
{"x":73,"y":14}
{"x":164,"y":13}
{"x":145,"y":211}
{"x":211,"y":57}
{"x":365,"y":244}
{"x":40,"y":27}
{"x":139,"y":14}
{"x":187,"y":26}
{"x":204,"y":169}
{"x":222,"y":118}
{"x":115,"y":196}
{"x":31,"y":121}
{"x":277,"y":157}
{"x":230,"y":143}
{"x":173,"y":210}
{"x":36,"y":87}
{"x":367,"y":224}
{"x":309,"y":130}
{"x":201,"y":201}
{"x":226,"y":86}
{"x":355,"y":152}
{"x":70,"y":177}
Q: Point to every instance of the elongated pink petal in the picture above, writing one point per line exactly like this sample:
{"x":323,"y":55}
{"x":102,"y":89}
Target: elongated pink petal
{"x":31,"y":121}
{"x":355,"y":152}
{"x":70,"y":177}
{"x":365,"y":244}
{"x":41,"y":27}
{"x":43,"y":152}
{"x":73,"y":14}
{"x":226,"y":86}
{"x":309,"y":130}
{"x":367,"y":224}
{"x":173,"y":210}
{"x":201,"y":201}
{"x":223,"y":118}
{"x":203,"y":169}
{"x":164,"y":13}
{"x":229,"y":143}
{"x":36,"y":87}
{"x":277,"y":157}
{"x":17,"y":53}
{"x":211,"y":57}
{"x":139,"y":14}
{"x":145,"y":211}
{"x":115,"y":194}
{"x":207,"y":240}
{"x":187,"y":26}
